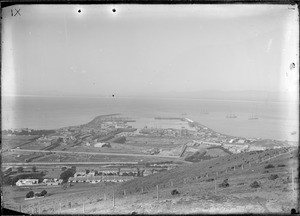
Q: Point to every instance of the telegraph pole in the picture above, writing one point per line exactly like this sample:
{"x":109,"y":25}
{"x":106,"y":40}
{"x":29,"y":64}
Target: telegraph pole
{"x":157,"y":192}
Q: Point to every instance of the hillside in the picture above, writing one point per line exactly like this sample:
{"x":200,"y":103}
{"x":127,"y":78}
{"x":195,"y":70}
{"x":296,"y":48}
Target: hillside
{"x":198,"y":190}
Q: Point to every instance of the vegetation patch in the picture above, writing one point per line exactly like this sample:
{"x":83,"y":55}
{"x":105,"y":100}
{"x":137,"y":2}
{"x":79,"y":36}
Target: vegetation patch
{"x":224,"y":184}
{"x":255,"y":184}
{"x":269,"y":166}
{"x":273,"y":177}
{"x":175,"y":192}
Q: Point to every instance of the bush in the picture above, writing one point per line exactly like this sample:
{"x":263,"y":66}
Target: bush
{"x":210,"y":180}
{"x":43,"y":193}
{"x":254,"y":184}
{"x":224,"y":183}
{"x":281,"y":165}
{"x":269,"y":166}
{"x":30,"y":194}
{"x":273,"y":177}
{"x":174,"y":192}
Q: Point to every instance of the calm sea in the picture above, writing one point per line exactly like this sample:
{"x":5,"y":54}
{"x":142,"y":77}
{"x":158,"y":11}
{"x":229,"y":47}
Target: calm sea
{"x":277,"y":120}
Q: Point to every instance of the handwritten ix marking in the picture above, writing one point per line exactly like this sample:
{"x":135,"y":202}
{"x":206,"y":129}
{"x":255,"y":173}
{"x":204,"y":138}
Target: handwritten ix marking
{"x":15,"y":13}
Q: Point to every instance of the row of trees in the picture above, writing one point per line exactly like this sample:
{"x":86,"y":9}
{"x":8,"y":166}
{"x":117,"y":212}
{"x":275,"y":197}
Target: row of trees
{"x":31,"y":194}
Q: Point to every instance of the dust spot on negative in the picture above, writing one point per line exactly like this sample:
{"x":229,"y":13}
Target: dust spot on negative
{"x":113,"y":95}
{"x":114,"y":10}
{"x":292,"y":66}
{"x":79,"y":11}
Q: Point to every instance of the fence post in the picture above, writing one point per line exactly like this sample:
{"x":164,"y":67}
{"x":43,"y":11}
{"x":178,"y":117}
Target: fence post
{"x":293,"y":180}
{"x":60,"y":208}
{"x":215,"y":186}
{"x":83,"y":207}
{"x":157,"y":192}
{"x":142,"y":189}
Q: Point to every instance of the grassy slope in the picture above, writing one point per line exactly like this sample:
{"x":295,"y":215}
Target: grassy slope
{"x":197,"y":194}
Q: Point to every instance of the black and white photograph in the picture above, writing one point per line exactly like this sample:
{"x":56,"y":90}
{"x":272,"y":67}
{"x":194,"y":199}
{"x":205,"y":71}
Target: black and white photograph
{"x":150,"y":108}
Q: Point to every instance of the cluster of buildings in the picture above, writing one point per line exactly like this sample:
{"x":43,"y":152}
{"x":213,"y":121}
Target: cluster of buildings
{"x":35,"y":182}
{"x":168,"y":132}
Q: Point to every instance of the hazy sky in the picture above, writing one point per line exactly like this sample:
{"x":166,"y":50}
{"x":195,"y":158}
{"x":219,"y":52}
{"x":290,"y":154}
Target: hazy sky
{"x":147,"y":49}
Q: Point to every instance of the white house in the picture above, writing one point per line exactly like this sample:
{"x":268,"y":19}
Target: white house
{"x":27,"y":182}
{"x":52,"y":181}
{"x":102,"y":145}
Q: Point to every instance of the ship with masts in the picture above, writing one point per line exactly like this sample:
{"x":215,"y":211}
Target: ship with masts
{"x":204,"y":112}
{"x":253,"y":117}
{"x":231,"y":115}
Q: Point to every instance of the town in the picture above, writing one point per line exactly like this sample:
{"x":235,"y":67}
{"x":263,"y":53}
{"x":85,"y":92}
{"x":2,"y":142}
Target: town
{"x":108,"y":150}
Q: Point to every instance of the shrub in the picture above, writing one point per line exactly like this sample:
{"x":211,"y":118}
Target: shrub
{"x":224,"y":183}
{"x":269,"y":166}
{"x":281,"y":165}
{"x":30,"y":194}
{"x":43,"y":193}
{"x":174,"y":192}
{"x":209,"y":180}
{"x":254,"y":184}
{"x":273,"y":177}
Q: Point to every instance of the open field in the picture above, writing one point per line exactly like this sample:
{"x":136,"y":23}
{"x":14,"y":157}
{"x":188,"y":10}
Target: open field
{"x":199,"y":192}
{"x":159,"y":142}
{"x":9,"y":142}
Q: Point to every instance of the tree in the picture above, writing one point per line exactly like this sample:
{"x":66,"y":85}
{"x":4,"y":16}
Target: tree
{"x":43,"y":193}
{"x":34,"y":169}
{"x":87,"y":171}
{"x":67,"y":174}
{"x":30,"y":194}
{"x":20,"y":169}
{"x":63,"y":169}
